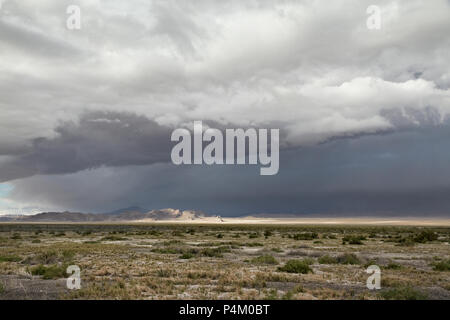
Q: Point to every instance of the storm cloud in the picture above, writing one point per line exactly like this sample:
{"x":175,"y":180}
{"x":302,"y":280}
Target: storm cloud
{"x":97,"y":139}
{"x":400,"y":173}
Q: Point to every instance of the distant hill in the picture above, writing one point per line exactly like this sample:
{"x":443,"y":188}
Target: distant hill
{"x":62,"y":217}
{"x":174,"y":214}
{"x":126,"y":214}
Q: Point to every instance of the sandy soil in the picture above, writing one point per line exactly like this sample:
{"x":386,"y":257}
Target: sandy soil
{"x":313,"y":221}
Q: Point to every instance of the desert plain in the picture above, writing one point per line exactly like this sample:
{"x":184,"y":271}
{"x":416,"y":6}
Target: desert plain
{"x":250,"y":258}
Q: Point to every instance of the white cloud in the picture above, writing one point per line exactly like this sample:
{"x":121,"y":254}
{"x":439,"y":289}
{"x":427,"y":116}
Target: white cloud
{"x":310,"y":66}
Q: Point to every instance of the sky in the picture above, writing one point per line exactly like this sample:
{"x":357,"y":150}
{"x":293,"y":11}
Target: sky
{"x":364,"y":114}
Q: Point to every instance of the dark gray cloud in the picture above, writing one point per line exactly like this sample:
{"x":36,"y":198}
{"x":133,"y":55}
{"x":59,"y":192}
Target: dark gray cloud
{"x":412,"y":117}
{"x":109,"y":139}
{"x":18,"y":37}
{"x":400,"y":173}
{"x":96,"y":139}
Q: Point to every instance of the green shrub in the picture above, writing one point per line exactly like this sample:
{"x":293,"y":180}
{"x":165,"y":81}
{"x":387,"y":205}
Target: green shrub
{"x":187,"y":255}
{"x":163,"y":273}
{"x":297,"y":266}
{"x":36,"y":241}
{"x":253,"y":235}
{"x":326,"y":259}
{"x":403,"y":293}
{"x":167,"y":250}
{"x":214,"y":252}
{"x":370,"y":263}
{"x":406,"y":242}
{"x":348,"y":258}
{"x":170,"y":242}
{"x":421,"y":237}
{"x":10,"y":258}
{"x":305,"y":236}
{"x":393,"y":266}
{"x":272,"y":294}
{"x":16,"y":236}
{"x":252,"y":244}
{"x":353,"y":240}
{"x":68,"y":255}
{"x":265,"y":259}
{"x":50,"y":272}
{"x":38,"y":270}
{"x":267,"y":234}
{"x":177,"y":234}
{"x":442,"y":265}
{"x":425,"y":236}
{"x":91,"y":242}
{"x":289,"y":295}
{"x":47,"y":257}
{"x":113,"y":238}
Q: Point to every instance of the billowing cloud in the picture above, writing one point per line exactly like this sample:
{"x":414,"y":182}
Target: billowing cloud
{"x":311,"y":65}
{"x":97,"y":139}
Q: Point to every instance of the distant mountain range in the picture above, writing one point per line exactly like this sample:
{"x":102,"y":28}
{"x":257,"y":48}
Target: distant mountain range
{"x":126,"y":214}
